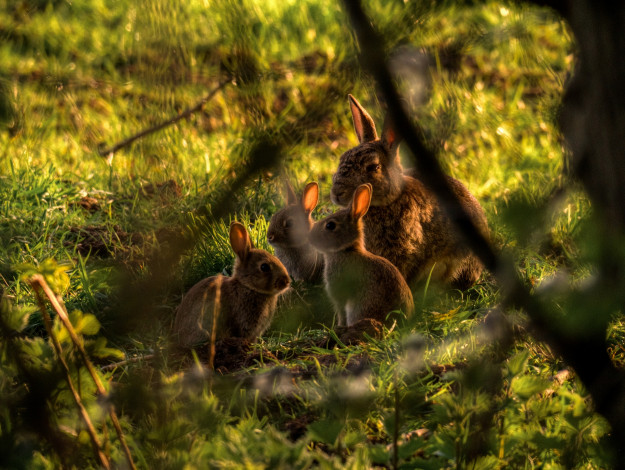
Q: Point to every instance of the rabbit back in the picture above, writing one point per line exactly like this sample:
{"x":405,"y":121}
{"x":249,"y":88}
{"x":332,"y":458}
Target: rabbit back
{"x":415,"y":234}
{"x":363,"y":285}
{"x":194,"y":316}
{"x":241,"y":312}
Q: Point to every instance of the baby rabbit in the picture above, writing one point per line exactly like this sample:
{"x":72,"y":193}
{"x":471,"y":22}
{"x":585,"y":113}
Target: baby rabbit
{"x":360,"y":284}
{"x":405,"y":223}
{"x":247,"y":300}
{"x":288,"y":234}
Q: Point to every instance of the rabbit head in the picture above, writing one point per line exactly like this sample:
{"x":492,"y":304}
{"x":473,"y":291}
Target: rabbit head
{"x":289,"y":227}
{"x":374,"y":161}
{"x":256,"y":269}
{"x":343,"y":228}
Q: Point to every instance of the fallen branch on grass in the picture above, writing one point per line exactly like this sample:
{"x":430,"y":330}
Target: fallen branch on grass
{"x":108,"y":152}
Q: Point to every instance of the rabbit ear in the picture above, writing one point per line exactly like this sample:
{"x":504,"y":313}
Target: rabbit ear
{"x":240,"y":240}
{"x":390,"y":138}
{"x":361,"y":201}
{"x":363,"y":124}
{"x":310,"y":197}
{"x":291,"y":198}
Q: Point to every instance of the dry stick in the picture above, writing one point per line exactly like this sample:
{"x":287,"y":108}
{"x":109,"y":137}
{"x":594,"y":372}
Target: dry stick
{"x":95,"y":442}
{"x":60,"y":310}
{"x":396,"y":427}
{"x":216,"y":311}
{"x":586,"y":355}
{"x":108,"y":152}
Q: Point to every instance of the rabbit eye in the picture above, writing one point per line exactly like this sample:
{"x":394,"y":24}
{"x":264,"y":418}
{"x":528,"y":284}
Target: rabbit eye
{"x":288,"y":223}
{"x":265,"y":268}
{"x":374,"y":167}
{"x":331,"y":225}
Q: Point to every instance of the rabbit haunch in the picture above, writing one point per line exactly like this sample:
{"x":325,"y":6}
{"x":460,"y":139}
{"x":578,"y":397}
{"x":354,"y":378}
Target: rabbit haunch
{"x":288,"y":234}
{"x":405,"y":223}
{"x":244,"y":303}
{"x":360,"y":284}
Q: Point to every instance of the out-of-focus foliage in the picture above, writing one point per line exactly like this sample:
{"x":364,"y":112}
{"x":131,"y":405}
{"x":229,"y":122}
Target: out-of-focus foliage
{"x":432,"y":393}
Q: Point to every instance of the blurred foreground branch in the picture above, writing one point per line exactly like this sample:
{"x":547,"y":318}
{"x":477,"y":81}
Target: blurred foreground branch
{"x":585,"y":351}
{"x":39,"y":285}
{"x":108,"y":152}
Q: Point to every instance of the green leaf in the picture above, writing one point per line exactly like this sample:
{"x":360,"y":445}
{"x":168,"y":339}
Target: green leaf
{"x":99,"y":349}
{"x":432,"y":463}
{"x":526,"y":386}
{"x":14,"y":318}
{"x":26,"y":270}
{"x":379,"y":455}
{"x":488,"y":462}
{"x":326,"y":431}
{"x":55,"y":275}
{"x":517,"y":363}
{"x":409,"y":448}
{"x":88,"y":324}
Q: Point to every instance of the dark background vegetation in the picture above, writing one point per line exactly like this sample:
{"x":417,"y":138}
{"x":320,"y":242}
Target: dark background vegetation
{"x":478,"y":379}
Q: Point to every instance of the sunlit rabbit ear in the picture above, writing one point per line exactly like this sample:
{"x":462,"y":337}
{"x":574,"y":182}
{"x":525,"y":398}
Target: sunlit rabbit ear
{"x":240,"y":240}
{"x":361,"y":201}
{"x":363,"y":124}
{"x":310,"y":197}
{"x":390,"y":138}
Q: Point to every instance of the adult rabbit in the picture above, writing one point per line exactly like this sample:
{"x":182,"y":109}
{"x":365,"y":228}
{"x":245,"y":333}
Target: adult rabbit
{"x":405,"y":223}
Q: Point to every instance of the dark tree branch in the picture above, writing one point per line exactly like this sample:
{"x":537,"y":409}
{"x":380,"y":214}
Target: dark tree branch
{"x":107,"y":152}
{"x":587,"y":354}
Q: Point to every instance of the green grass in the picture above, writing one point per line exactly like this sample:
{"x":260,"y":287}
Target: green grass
{"x":79,"y":75}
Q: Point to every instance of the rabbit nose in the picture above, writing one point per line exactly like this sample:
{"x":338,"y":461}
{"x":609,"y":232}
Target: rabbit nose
{"x":282,"y":282}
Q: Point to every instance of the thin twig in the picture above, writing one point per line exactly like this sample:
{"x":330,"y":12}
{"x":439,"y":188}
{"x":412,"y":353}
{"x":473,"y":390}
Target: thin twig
{"x":216,"y":311}
{"x":115,"y":365}
{"x":36,"y":284}
{"x":108,"y":152}
{"x":396,"y":427}
{"x":56,"y":303}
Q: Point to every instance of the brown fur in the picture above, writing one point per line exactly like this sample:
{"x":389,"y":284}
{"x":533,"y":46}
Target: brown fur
{"x":247,"y":299}
{"x":288,"y":234}
{"x":405,"y":223}
{"x":360,"y":284}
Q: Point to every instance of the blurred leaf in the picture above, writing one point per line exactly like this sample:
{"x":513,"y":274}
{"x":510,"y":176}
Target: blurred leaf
{"x":487,"y":462}
{"x":517,"y":364}
{"x":88,"y":324}
{"x":98,"y":348}
{"x":15,"y":318}
{"x":379,"y":454}
{"x":409,"y":448}
{"x":326,"y":431}
{"x":526,"y":386}
{"x":55,"y":274}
